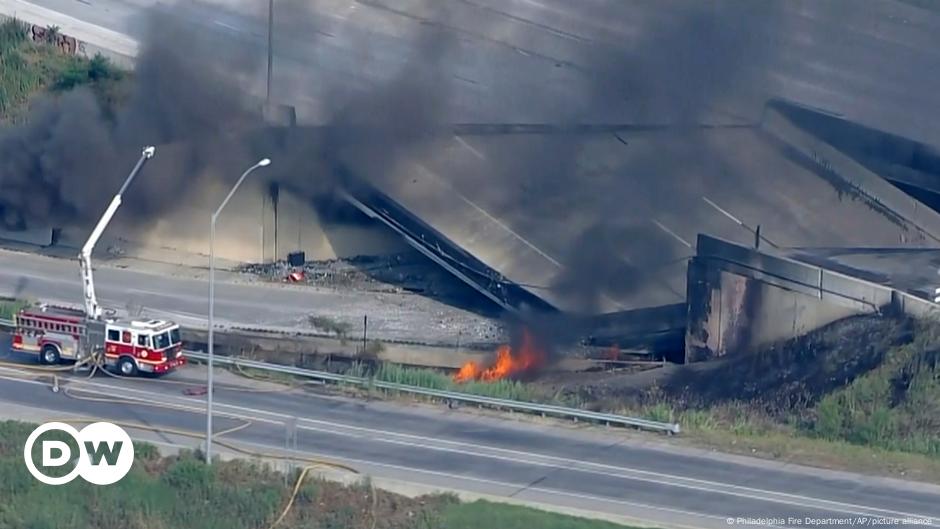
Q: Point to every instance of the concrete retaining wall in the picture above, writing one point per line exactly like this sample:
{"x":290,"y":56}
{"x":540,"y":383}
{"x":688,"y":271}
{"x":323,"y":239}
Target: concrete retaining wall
{"x":741,"y":299}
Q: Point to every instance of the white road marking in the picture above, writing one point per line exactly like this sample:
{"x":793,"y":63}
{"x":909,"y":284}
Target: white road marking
{"x":670,"y":232}
{"x":451,"y":477}
{"x":483,"y":212}
{"x":227,"y":26}
{"x":469,"y":147}
{"x":555,"y":462}
{"x":722,"y":211}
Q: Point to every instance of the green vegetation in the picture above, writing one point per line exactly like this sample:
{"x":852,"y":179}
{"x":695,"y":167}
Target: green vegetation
{"x":9,"y":307}
{"x":329,"y":325}
{"x":895,"y":406}
{"x":863,"y":393}
{"x":486,"y":514}
{"x":429,"y":378}
{"x":28,"y":68}
{"x":181,"y":492}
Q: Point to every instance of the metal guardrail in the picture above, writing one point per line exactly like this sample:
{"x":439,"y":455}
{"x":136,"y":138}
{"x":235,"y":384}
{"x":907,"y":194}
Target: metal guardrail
{"x":452,"y":396}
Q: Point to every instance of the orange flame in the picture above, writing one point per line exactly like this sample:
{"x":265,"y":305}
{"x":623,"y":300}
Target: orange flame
{"x":508,"y":363}
{"x":468,"y":371}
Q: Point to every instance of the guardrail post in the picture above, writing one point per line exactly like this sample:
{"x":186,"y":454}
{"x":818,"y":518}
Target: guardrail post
{"x":453,"y":398}
{"x":290,"y":441}
{"x":292,"y":433}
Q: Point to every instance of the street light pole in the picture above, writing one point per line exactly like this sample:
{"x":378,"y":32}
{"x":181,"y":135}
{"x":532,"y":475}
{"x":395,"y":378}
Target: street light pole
{"x":261,"y":163}
{"x":270,"y":47}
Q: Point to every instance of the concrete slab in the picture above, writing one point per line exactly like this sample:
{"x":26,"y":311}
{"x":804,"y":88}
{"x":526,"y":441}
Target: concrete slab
{"x":532,"y":207}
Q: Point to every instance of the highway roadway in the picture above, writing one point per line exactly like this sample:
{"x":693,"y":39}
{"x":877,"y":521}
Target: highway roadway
{"x":181,"y":293}
{"x":610,"y":472}
{"x":543,"y":60}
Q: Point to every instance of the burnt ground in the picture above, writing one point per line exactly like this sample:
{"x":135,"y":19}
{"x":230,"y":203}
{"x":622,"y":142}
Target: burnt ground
{"x":868,"y":381}
{"x":778,"y":380}
{"x":795,"y":374}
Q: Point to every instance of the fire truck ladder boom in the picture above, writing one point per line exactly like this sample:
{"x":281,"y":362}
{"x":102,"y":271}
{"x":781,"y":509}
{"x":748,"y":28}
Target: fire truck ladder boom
{"x":92,"y":309}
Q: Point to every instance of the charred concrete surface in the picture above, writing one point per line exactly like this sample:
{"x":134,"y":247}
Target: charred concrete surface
{"x":515,"y":235}
{"x":741,"y":299}
{"x":912,"y":166}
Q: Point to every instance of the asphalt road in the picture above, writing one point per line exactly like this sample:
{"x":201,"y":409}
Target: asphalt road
{"x":540,"y":60}
{"x":181,"y":294}
{"x":613,"y":472}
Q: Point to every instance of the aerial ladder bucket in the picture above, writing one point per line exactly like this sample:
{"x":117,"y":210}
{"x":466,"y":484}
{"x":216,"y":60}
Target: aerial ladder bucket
{"x":92,"y":308}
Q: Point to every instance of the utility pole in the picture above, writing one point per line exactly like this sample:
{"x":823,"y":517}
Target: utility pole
{"x":270,"y":47}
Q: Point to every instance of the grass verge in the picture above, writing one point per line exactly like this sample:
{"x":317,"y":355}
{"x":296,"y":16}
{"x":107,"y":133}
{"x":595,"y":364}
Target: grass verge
{"x":431,"y":379}
{"x":487,"y":514}
{"x":9,"y":307}
{"x":181,"y":492}
{"x":28,"y":68}
{"x":863,"y":394}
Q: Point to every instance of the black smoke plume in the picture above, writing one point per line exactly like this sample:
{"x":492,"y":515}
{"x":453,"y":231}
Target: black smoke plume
{"x":62,"y":165}
{"x":685,"y":69}
{"x":189,"y":86}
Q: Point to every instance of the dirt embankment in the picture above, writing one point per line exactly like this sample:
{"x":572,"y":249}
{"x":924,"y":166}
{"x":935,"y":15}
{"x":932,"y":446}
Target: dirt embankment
{"x":778,"y":380}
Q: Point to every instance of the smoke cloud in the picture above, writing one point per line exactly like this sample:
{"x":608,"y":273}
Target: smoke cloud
{"x":61,"y":166}
{"x":680,"y":72}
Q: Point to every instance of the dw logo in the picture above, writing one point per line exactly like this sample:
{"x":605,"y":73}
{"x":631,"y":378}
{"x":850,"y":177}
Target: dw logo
{"x":105,"y":453}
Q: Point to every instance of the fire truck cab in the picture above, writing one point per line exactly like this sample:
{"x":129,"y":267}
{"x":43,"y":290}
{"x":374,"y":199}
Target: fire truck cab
{"x":151,"y":346}
{"x":56,"y":334}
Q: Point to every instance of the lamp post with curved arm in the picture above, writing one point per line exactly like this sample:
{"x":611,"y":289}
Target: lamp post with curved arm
{"x":215,"y":216}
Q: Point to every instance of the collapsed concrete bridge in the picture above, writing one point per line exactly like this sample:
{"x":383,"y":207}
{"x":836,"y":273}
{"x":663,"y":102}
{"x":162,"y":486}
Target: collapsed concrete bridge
{"x":467,"y":203}
{"x":603,"y":228}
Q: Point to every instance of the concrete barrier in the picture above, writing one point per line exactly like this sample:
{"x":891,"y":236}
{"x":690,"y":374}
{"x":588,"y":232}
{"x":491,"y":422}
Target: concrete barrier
{"x":34,"y":237}
{"x":741,"y":299}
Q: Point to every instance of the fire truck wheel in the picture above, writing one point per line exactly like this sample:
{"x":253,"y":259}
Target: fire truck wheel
{"x":127,"y":367}
{"x":50,"y":355}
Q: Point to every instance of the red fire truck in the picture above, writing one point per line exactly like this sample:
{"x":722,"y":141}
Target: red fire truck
{"x":58,"y":333}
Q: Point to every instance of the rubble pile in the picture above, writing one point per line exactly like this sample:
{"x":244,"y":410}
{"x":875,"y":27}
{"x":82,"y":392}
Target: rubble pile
{"x":386,"y":273}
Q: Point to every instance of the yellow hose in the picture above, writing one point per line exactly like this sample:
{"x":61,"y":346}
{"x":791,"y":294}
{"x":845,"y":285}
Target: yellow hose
{"x":293,"y":495}
{"x":98,"y":365}
{"x":312,"y":463}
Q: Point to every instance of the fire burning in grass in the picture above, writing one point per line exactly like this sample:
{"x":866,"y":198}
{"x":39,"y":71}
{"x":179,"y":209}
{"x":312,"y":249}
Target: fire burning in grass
{"x":509,"y":362}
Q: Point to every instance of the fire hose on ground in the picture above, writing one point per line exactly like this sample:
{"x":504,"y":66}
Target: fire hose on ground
{"x":97,"y":364}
